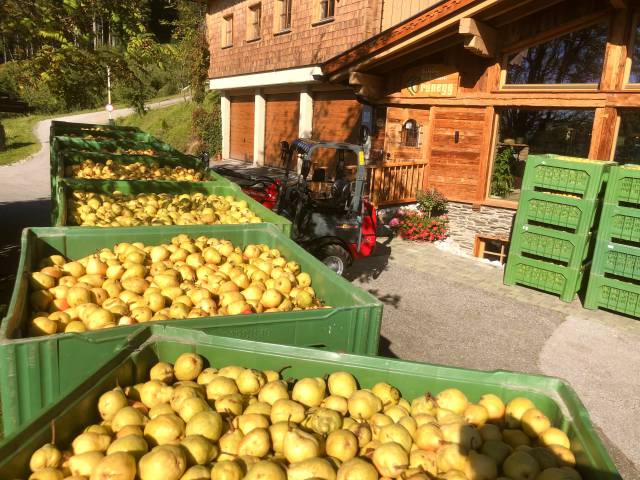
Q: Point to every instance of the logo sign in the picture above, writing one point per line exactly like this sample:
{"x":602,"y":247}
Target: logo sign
{"x":431,"y":81}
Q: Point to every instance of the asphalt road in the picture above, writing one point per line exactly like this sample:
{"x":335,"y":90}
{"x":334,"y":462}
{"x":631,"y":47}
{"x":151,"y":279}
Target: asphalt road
{"x":25,"y":190}
{"x":444,"y":309}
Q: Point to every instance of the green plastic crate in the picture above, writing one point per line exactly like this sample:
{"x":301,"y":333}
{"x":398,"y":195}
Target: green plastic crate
{"x":620,"y":223}
{"x":132,"y":187}
{"x":551,"y":395}
{"x":114,"y":146}
{"x":556,"y":211}
{"x":624,"y":186}
{"x":613,"y":294}
{"x":566,"y":174}
{"x":59,"y":127}
{"x":549,"y":277}
{"x":617,"y":260}
{"x":74,"y":157}
{"x":34,"y":371}
{"x":570,"y":248}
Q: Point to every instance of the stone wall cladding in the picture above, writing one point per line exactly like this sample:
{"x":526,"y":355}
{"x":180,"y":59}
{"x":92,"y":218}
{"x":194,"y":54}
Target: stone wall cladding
{"x":465,"y":223}
{"x":306,"y":44}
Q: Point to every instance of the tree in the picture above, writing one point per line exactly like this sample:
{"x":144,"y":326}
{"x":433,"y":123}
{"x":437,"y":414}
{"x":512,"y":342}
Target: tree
{"x":191,"y":47}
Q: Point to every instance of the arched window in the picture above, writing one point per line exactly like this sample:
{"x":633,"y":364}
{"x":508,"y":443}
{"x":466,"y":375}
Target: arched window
{"x":410,"y":133}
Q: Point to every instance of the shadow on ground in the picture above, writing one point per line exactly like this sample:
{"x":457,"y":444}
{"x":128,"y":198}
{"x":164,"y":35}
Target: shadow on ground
{"x":15,"y":217}
{"x":384,"y":348}
{"x":17,"y":145}
{"x":366,"y":269}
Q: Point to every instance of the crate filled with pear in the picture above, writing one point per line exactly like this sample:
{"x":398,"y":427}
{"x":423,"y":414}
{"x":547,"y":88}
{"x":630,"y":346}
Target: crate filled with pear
{"x":119,"y":210}
{"x":185,"y":278}
{"x":131,"y":203}
{"x":198,"y":419}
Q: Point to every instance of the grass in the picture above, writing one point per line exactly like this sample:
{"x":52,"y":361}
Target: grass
{"x":170,"y":124}
{"x":21,"y":141}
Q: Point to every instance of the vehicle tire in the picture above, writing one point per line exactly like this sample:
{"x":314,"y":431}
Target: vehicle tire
{"x":336,"y":257}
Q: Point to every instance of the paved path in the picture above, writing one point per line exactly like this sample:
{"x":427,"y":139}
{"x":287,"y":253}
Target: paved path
{"x":29,"y":180}
{"x":441,"y":308}
{"x":25,"y":189}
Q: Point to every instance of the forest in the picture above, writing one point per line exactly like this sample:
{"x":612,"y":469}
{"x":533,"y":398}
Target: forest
{"x":55,"y":54}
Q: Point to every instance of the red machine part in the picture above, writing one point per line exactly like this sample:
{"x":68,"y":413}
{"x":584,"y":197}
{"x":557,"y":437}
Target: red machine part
{"x":268,"y":197}
{"x":369,"y":226}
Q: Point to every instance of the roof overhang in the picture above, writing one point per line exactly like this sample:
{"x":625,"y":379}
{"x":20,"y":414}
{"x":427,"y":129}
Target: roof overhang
{"x":292,"y":76}
{"x":441,"y":20}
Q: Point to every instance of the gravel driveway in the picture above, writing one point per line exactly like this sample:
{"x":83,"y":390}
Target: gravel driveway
{"x":445,"y":309}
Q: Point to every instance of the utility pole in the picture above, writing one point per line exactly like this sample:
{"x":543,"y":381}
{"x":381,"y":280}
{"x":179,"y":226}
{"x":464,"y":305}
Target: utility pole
{"x":109,"y":105}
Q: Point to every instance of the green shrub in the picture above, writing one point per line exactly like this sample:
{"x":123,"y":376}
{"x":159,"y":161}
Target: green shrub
{"x":502,"y":178}
{"x":431,"y":202}
{"x":206,"y":124}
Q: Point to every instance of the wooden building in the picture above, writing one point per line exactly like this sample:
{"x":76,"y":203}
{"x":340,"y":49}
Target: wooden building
{"x":467,"y":89}
{"x":265,"y":61}
{"x":463,"y":91}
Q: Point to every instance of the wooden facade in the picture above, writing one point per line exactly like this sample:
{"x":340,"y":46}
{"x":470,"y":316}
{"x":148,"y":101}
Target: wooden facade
{"x":242,"y":124}
{"x":283,"y":116}
{"x":447,"y":69}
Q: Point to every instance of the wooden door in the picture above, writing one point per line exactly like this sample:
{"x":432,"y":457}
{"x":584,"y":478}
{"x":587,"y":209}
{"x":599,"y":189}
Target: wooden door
{"x":456,"y":152}
{"x":241,"y":142}
{"x":336,"y":118}
{"x":283,"y":117}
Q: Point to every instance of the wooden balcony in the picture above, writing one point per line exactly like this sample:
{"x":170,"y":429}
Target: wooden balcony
{"x":395,"y":183}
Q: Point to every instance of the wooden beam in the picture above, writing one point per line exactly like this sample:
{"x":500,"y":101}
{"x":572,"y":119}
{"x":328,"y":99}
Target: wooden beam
{"x":370,"y":86}
{"x":541,"y":99}
{"x":441,"y":16}
{"x":481,"y":39}
{"x":619,"y":4}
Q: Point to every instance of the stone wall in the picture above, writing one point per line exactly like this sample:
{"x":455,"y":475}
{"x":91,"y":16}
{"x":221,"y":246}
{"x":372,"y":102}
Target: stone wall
{"x":465,"y":223}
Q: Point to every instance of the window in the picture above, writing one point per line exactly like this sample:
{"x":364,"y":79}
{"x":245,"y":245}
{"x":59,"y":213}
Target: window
{"x":494,"y":249}
{"x":574,"y":58}
{"x":410,"y":133}
{"x":253,"y":26}
{"x":634,"y":73}
{"x":227,"y":31}
{"x":628,"y":143}
{"x":283,"y":15}
{"x":523,"y":132}
{"x":327,"y":9}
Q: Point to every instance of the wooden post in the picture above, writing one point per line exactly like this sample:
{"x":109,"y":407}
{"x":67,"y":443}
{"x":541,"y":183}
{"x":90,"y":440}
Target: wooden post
{"x":486,"y":162}
{"x":604,"y":134}
{"x":616,"y":51}
{"x":430,"y":132}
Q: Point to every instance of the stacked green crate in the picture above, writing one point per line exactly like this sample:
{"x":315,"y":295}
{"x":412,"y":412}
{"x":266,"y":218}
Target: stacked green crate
{"x":614,"y":282}
{"x":552,"y":233}
{"x":73,"y":143}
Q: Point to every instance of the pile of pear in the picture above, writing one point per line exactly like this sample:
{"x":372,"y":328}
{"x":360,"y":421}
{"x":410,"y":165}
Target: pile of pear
{"x":91,"y":209}
{"x":110,"y":170}
{"x":191,"y":421}
{"x":187,"y":278}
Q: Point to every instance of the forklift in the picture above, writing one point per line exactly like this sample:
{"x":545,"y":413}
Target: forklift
{"x":336,"y":224}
